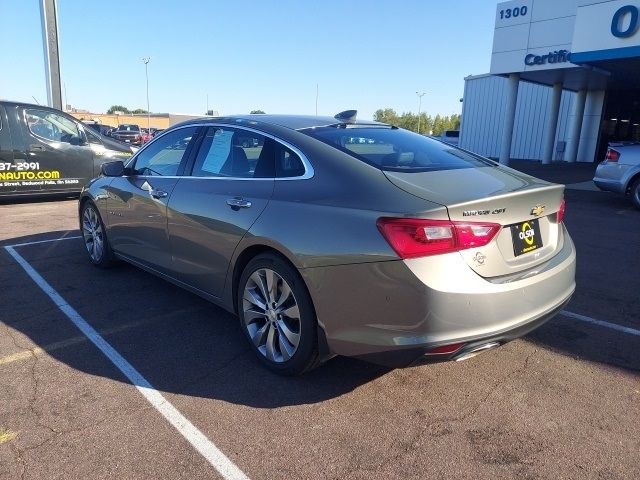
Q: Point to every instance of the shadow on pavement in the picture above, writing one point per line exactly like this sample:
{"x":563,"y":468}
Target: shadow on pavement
{"x":185,"y":345}
{"x":179,"y":342}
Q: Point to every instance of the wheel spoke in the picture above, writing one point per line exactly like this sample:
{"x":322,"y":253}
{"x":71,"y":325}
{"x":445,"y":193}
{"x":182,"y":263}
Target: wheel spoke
{"x":251,"y":296}
{"x":292,"y":337}
{"x":286,"y":349}
{"x":270,"y":343}
{"x":271,"y":284}
{"x":292,"y":312}
{"x":98,"y":244}
{"x":285,"y":292}
{"x":262,"y":285}
{"x":252,"y":314}
{"x":258,"y":337}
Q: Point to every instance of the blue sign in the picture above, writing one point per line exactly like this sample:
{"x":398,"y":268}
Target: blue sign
{"x":557,"y":56}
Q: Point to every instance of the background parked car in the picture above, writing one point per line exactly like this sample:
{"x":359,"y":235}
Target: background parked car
{"x":128,"y":133}
{"x":620,"y":170}
{"x":46,"y":151}
{"x":451,"y":137}
{"x":98,"y":127}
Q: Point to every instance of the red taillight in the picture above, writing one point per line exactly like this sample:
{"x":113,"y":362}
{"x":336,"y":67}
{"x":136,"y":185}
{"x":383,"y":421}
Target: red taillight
{"x":417,"y":237}
{"x":560,"y":214}
{"x":612,"y":155}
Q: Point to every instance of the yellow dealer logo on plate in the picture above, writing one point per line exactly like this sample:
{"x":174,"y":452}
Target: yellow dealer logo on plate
{"x":527,"y":233}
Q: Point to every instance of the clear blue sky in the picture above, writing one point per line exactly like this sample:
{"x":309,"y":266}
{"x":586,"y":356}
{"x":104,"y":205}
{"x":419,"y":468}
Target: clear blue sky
{"x":252,"y":54}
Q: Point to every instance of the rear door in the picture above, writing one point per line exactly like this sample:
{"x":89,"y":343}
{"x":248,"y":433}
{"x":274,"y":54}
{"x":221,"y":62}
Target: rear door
{"x":137,"y":202}
{"x":7,"y":183}
{"x":231,"y":182}
{"x":59,"y":158}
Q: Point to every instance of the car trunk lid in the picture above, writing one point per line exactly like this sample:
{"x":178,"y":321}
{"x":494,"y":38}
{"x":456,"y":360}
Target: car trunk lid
{"x":524,"y":206}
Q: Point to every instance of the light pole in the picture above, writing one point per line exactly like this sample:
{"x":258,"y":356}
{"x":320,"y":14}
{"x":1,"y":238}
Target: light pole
{"x":419,"y":94}
{"x":146,"y":61}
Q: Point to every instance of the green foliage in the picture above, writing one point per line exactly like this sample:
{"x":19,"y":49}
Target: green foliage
{"x":409,"y":121}
{"x":139,"y":111}
{"x":118,"y":108}
{"x":252,"y":112}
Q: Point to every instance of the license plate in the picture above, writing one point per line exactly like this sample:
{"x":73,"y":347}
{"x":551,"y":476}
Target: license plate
{"x":127,"y":141}
{"x":526,"y":237}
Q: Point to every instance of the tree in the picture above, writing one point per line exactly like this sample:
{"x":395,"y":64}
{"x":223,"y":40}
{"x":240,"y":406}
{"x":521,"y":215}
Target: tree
{"x":409,"y":121}
{"x":254,"y":112}
{"x":139,"y":111}
{"x":118,"y":108}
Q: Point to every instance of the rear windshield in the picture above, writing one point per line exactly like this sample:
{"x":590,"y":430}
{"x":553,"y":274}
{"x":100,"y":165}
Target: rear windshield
{"x":397,"y":149}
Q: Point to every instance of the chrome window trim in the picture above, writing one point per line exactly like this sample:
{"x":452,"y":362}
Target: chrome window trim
{"x":309,"y":172}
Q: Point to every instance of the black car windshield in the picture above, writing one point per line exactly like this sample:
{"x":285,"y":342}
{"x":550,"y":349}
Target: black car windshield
{"x":396,"y":149}
{"x":129,"y":128}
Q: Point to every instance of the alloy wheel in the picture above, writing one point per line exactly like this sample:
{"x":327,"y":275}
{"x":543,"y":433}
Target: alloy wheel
{"x":93,"y":234}
{"x":271,"y":315}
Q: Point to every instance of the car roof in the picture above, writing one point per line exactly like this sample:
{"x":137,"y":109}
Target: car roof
{"x":26,"y":105}
{"x":294,"y":122}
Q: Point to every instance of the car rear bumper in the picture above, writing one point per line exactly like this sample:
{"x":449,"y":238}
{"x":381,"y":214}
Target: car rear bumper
{"x":395,"y":312}
{"x":609,"y":185}
{"x":612,"y":176}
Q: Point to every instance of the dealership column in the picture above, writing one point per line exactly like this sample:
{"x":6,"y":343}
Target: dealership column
{"x":552,"y":123}
{"x":576,"y":128}
{"x":509,"y":117}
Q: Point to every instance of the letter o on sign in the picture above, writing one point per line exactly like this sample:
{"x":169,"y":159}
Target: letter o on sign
{"x":617,"y":18}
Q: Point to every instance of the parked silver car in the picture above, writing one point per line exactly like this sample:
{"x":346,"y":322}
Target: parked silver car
{"x":392,"y":249}
{"x":620,"y":171}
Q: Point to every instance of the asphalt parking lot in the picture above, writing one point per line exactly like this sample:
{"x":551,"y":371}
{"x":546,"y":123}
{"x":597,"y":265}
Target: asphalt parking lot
{"x":562,"y":403}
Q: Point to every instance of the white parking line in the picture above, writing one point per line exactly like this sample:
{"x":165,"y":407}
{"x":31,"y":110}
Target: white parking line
{"x":195,"y":437}
{"x":601,"y":323}
{"x":44,"y":241}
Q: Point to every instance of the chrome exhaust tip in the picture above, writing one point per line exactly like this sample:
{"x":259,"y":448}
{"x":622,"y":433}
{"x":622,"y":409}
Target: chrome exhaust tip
{"x":465,"y":355}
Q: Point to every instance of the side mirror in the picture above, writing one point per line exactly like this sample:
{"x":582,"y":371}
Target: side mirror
{"x":112,"y":169}
{"x":76,"y":140}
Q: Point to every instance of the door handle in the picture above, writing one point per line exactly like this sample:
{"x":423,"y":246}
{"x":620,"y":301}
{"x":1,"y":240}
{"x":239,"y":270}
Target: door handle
{"x":238,"y":203}
{"x":36,"y":148}
{"x":158,"y":193}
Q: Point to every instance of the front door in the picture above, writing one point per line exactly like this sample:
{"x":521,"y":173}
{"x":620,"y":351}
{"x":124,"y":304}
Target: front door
{"x":137,"y":202}
{"x":211,"y":210}
{"x":58,"y":157}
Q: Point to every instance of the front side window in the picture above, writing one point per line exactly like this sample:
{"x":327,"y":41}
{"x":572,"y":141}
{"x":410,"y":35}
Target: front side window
{"x":92,"y":138}
{"x":163,"y":156}
{"x":51,"y":126}
{"x":237,"y":153}
{"x":396,"y":149}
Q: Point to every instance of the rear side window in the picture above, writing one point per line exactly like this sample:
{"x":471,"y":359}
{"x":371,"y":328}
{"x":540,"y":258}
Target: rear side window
{"x":237,"y":153}
{"x":397,"y":149}
{"x":288,"y":163}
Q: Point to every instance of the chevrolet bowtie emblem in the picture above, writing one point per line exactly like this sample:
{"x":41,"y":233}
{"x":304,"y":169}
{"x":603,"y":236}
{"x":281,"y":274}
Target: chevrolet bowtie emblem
{"x":537,"y":210}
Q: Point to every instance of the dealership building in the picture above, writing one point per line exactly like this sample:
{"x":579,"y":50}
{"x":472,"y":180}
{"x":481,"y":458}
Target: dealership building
{"x":564,"y":81}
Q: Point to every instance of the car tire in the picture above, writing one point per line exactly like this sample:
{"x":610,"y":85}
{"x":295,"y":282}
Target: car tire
{"x":94,"y":236}
{"x":277,"y":315}
{"x":635,"y":193}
